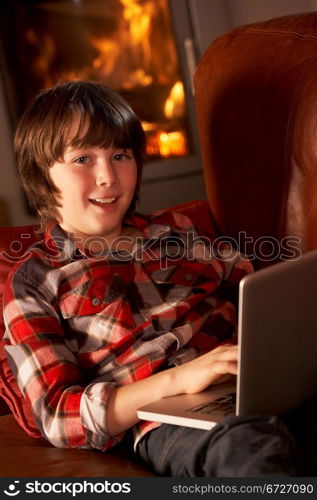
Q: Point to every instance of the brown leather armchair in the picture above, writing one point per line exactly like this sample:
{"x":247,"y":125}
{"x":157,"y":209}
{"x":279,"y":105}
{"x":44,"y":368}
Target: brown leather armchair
{"x":256,"y":105}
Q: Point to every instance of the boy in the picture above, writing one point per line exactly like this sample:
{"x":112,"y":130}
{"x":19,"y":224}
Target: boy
{"x":106,"y":314}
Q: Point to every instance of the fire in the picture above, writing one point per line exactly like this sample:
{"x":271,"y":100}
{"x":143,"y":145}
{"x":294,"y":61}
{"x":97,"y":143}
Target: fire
{"x":109,"y":51}
{"x":139,"y":18}
{"x":127,"y":55}
{"x":175,"y":103}
{"x":172,"y":144}
{"x":166,"y":144}
{"x":134,"y":54}
{"x":149,"y":126}
{"x":40,"y":65}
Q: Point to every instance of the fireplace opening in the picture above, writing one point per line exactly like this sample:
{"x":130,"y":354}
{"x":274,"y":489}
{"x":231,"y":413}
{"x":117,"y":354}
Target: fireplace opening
{"x":127,"y":44}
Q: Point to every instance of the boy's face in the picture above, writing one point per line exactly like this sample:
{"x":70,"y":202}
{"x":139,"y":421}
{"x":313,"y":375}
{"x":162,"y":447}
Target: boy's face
{"x":96,"y":188}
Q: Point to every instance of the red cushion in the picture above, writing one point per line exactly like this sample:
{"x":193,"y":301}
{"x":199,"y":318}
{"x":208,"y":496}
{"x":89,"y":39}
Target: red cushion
{"x":13,"y":247}
{"x":200,"y":214}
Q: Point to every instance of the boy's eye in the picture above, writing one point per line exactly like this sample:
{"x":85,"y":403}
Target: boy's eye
{"x":121,"y":156}
{"x":82,"y":159}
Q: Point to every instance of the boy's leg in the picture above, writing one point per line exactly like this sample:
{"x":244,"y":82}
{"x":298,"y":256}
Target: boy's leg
{"x":238,"y":447}
{"x":302,"y":422}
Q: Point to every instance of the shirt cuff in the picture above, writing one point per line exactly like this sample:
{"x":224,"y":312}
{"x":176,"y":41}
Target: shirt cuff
{"x":93,"y":411}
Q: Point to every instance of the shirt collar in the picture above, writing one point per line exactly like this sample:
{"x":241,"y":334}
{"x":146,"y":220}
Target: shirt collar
{"x":61,"y":248}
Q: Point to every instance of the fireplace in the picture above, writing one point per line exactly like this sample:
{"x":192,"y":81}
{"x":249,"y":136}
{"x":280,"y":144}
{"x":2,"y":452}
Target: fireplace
{"x":142,"y":48}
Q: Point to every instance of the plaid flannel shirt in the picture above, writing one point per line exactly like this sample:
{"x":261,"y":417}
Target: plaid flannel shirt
{"x":78,"y":325}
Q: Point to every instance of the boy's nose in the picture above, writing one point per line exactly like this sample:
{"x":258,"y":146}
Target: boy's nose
{"x":105,"y":174}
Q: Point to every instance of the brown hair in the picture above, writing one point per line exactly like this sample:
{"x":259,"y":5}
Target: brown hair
{"x":42,"y":136}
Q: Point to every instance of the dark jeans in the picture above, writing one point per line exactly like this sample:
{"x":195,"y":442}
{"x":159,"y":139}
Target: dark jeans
{"x":237,"y":447}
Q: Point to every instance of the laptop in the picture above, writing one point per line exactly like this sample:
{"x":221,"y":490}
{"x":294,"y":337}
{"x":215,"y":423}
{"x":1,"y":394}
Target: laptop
{"x":277,"y":365}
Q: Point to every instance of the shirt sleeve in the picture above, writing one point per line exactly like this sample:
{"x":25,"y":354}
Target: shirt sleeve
{"x":67,"y":411}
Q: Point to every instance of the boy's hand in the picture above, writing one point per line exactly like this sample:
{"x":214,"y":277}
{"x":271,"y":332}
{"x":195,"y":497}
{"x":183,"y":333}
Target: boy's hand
{"x":213,"y":367}
{"x":190,"y":377}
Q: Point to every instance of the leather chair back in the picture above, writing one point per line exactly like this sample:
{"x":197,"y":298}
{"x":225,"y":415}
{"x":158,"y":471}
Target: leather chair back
{"x":256,"y":100}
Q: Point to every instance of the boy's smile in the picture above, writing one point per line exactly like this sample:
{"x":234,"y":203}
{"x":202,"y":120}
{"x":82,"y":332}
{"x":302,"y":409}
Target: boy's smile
{"x":96,"y":188}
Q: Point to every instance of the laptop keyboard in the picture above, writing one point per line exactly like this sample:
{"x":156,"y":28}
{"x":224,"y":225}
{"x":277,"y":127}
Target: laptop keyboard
{"x":225,"y":404}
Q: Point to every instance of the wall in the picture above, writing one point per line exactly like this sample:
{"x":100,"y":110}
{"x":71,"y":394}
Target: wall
{"x":249,"y":11}
{"x":211,"y":18}
{"x":9,"y":187}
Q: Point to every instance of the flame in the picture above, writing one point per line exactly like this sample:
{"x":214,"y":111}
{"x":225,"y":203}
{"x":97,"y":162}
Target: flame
{"x":41,"y":63}
{"x":175,"y":103}
{"x":166,"y":144}
{"x":124,"y":58}
{"x":138,"y":77}
{"x":108,"y":54}
{"x":148,"y":126}
{"x":139,"y":19}
{"x":130,"y":43}
{"x":172,"y":143}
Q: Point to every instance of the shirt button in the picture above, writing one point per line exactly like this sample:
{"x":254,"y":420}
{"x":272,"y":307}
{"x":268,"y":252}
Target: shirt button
{"x":188,"y":276}
{"x":95,"y":301}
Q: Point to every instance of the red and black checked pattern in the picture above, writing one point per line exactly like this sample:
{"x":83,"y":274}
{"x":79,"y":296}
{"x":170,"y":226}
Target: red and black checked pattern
{"x":77,"y":326}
